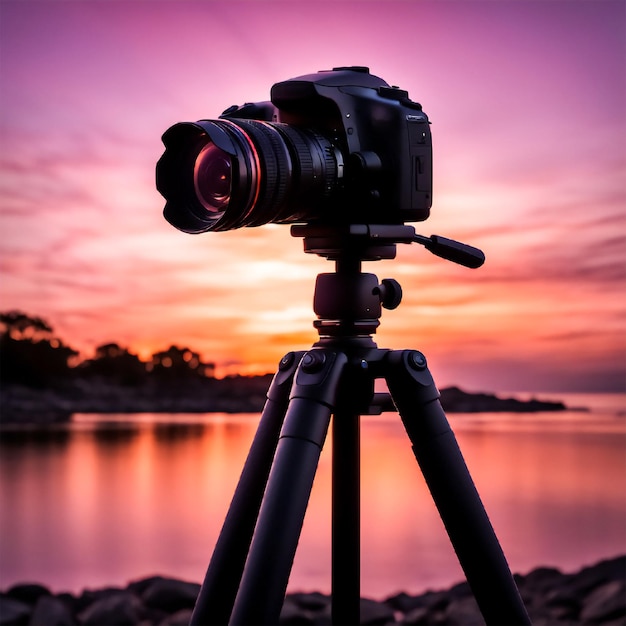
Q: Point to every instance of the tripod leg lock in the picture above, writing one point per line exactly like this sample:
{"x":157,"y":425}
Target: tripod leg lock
{"x":415,"y":394}
{"x":408,"y":372}
{"x":318,"y":375}
{"x":314,"y":396}
{"x":283,"y":378}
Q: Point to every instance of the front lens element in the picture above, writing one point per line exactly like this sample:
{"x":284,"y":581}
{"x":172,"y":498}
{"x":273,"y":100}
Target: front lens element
{"x":212,"y":178}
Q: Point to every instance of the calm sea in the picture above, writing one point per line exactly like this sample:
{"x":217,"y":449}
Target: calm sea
{"x":108,"y":499}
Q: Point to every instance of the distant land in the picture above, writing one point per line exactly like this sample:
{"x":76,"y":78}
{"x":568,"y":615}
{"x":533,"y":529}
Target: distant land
{"x":42,"y":381}
{"x":236,"y":394}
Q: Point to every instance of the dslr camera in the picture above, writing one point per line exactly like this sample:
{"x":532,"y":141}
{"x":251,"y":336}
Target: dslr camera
{"x":337,"y":147}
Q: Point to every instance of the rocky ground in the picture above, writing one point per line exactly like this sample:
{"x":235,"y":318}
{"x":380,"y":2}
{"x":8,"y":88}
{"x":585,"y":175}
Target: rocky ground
{"x":594,"y":595}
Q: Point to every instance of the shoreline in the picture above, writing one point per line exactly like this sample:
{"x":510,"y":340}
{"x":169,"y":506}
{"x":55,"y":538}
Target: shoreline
{"x":53,"y":405}
{"x":592,"y":595}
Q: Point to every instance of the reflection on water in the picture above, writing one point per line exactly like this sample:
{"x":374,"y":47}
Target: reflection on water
{"x":105,"y":500}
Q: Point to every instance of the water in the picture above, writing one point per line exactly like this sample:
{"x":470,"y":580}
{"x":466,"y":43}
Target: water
{"x":108,"y":499}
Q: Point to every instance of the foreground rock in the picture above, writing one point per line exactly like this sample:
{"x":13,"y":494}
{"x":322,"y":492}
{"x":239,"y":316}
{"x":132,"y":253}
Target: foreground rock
{"x":594,"y":595}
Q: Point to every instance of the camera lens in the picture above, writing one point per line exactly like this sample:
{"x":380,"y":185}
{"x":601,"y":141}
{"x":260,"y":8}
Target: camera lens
{"x":229,"y":173}
{"x":212,"y":178}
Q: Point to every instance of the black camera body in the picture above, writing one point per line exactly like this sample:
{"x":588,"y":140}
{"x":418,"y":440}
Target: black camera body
{"x":336,"y":147}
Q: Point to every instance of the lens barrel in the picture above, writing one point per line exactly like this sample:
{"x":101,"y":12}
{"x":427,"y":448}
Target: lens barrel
{"x":223,"y":174}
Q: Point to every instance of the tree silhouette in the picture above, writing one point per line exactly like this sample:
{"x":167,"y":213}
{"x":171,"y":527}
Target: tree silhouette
{"x":29,"y":353}
{"x":21,"y":326}
{"x":180,"y":363}
{"x":115,"y":363}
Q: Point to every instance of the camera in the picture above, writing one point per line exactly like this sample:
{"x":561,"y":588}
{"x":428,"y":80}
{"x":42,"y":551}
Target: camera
{"x":336,"y":147}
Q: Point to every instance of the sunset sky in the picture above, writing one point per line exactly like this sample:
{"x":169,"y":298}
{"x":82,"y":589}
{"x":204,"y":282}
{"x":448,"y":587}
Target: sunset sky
{"x":527,"y":101}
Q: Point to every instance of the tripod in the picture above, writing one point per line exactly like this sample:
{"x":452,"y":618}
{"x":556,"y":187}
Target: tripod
{"x":249,"y":571}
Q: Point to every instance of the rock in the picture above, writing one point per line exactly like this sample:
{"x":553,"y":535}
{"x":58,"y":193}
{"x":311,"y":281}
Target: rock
{"x":594,"y":595}
{"x":180,"y":618}
{"x":540,"y":578}
{"x":402,"y":602}
{"x":293,"y":613}
{"x":13,"y":612}
{"x":306,"y":608}
{"x":28,"y":592}
{"x":311,"y":601}
{"x":607,"y":602}
{"x":170,"y":595}
{"x":375,"y":613}
{"x":419,"y":616}
{"x":464,"y":611}
{"x":431,"y":601}
{"x":139,"y":586}
{"x":561,"y":602}
{"x":121,"y":608}
{"x":591,"y":577}
{"x":89,"y":596}
{"x":51,"y":611}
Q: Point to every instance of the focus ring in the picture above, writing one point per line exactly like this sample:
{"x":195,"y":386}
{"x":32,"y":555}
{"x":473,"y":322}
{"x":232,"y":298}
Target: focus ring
{"x":318,"y":164}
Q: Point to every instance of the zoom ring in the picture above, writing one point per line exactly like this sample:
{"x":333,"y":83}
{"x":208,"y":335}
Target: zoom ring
{"x":318,"y":164}
{"x":275,"y":175}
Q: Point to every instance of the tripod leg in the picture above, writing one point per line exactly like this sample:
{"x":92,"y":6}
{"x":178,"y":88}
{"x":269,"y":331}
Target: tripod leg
{"x":346,"y":556}
{"x":276,"y":535}
{"x":461,"y":510}
{"x":219,"y":589}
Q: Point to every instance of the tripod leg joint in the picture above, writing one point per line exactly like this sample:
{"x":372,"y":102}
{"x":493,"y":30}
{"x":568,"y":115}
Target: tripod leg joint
{"x":283,"y":378}
{"x":317,"y":377}
{"x":313,"y":396}
{"x":407,"y":371}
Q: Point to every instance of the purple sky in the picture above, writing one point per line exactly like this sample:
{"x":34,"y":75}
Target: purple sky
{"x":528,"y":108}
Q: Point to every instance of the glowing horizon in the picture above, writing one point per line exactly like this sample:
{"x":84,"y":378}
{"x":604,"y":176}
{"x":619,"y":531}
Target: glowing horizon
{"x":528,"y":109}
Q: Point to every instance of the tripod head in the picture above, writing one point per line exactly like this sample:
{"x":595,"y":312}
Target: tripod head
{"x":373,"y":242}
{"x":348,"y":302}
